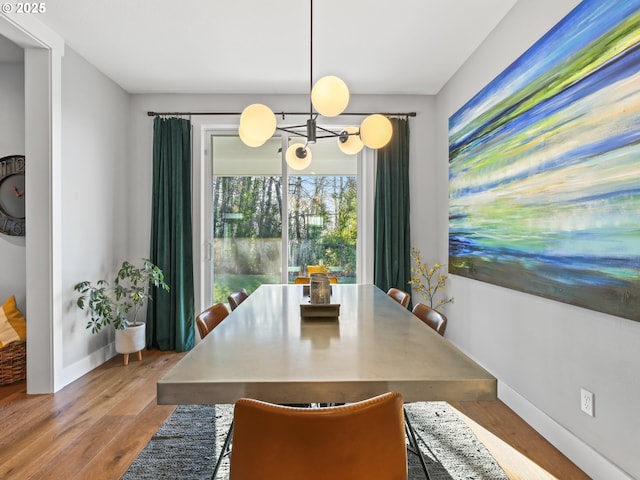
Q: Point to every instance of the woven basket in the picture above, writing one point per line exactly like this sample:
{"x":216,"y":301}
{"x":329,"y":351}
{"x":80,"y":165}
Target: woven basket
{"x":13,"y":362}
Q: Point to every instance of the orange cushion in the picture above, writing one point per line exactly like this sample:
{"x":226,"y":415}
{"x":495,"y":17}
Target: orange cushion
{"x":13,"y":325}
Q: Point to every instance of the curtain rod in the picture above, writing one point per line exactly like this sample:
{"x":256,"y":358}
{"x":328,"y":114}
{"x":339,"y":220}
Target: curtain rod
{"x":283,"y":114}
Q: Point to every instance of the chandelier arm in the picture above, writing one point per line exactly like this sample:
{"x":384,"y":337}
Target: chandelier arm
{"x":333,"y":133}
{"x":329,"y":135}
{"x":302,"y":125}
{"x":291,"y":129}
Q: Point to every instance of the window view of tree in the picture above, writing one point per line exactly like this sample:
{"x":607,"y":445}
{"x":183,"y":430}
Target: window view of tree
{"x":247,"y":229}
{"x":323,"y":225}
{"x":254,"y":204}
{"x":247,"y":232}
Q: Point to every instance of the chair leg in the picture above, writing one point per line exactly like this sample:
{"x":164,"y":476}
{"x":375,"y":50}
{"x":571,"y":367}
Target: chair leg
{"x":413,"y":446}
{"x":226,"y":449}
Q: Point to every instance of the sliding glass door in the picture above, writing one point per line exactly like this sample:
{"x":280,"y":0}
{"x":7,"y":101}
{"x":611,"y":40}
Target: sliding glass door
{"x":253,"y":191}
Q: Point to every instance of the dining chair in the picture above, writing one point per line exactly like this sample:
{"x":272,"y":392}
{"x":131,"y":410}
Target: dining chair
{"x":211,"y":318}
{"x":306,"y":280}
{"x":206,"y":322}
{"x":399,"y":296}
{"x":317,"y":269}
{"x":431,"y":317}
{"x":359,"y":440}
{"x":236,"y":298}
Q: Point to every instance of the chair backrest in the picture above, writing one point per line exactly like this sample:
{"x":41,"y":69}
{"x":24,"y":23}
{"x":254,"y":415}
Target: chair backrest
{"x":305,"y":280}
{"x":399,"y":296}
{"x":317,"y":269}
{"x":355,"y":441}
{"x":431,"y":317}
{"x":236,"y":298}
{"x":210,"y":318}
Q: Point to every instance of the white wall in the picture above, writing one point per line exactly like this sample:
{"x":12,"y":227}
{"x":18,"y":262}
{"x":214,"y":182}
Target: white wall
{"x":96,"y":200}
{"x":12,"y":249}
{"x":543,"y":351}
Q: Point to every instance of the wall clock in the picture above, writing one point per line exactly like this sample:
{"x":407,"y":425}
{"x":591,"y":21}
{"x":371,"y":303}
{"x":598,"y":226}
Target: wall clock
{"x":12,"y":208}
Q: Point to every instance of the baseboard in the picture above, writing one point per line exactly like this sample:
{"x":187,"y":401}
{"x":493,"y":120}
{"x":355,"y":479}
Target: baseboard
{"x":72,"y":372}
{"x":585,"y":457}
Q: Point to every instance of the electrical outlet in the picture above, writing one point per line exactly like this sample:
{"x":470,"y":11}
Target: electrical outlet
{"x":586,"y":402}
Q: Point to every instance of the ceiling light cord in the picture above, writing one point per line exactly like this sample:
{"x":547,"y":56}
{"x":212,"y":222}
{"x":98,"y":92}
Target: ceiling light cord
{"x":310,"y":58}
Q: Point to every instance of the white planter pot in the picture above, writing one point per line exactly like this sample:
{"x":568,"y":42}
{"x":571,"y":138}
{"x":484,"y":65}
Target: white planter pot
{"x":131,"y":340}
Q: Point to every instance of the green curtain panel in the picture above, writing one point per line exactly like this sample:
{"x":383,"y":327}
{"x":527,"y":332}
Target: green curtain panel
{"x":392,"y":233}
{"x":170,"y":316}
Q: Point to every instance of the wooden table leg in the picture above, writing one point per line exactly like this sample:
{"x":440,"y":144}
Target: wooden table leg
{"x":140,"y":355}
{"x":126,"y":359}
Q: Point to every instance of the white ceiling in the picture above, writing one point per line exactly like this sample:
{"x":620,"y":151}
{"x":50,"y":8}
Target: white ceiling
{"x":258,"y":46}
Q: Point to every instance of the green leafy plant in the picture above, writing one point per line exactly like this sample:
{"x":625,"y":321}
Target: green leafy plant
{"x":114,"y":304}
{"x":429,"y":281}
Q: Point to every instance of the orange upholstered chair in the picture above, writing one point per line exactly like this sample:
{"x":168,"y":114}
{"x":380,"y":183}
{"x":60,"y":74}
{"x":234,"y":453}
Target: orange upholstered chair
{"x":210,"y":318}
{"x":363,"y":440}
{"x":399,"y":296}
{"x":305,"y":280}
{"x":236,"y":298}
{"x":431,"y":317}
{"x":317,"y":269}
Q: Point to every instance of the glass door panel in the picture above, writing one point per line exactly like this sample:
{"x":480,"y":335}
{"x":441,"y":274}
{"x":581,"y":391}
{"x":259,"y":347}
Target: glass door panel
{"x":247,"y":215}
{"x":323,"y":214}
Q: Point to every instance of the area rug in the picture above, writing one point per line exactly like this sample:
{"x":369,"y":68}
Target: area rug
{"x":187,"y":445}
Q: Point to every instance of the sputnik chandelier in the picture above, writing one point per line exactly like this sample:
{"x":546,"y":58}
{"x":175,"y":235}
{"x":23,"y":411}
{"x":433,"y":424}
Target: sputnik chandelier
{"x":329,"y":97}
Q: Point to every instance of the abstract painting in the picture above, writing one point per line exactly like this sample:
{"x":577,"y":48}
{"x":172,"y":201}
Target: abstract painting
{"x":544,"y":167}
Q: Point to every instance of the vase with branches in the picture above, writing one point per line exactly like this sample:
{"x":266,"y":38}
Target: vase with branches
{"x":429,"y":281}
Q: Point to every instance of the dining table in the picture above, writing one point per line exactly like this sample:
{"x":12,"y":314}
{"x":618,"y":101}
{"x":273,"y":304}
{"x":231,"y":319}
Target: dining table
{"x":269,"y":349}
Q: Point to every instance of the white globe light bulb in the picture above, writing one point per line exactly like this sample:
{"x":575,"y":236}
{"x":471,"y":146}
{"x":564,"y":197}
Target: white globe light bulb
{"x":376,"y":131}
{"x":247,"y":140}
{"x":298,"y":156}
{"x":257,"y":123}
{"x":330,"y":96}
{"x":352,"y":144}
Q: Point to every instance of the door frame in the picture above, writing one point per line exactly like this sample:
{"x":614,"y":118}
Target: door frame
{"x":202,"y":128}
{"x":43,"y":51}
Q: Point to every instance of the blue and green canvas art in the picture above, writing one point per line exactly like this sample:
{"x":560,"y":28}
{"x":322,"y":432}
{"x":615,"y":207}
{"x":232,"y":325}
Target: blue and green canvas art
{"x":544,"y":167}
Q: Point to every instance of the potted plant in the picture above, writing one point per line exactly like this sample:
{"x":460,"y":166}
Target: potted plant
{"x":118,"y":303}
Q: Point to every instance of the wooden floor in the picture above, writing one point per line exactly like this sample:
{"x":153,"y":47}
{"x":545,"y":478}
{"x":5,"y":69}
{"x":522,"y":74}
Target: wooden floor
{"x":95,"y":427}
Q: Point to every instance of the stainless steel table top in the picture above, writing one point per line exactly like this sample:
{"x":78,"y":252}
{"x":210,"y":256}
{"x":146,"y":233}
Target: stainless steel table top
{"x":264,"y":350}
